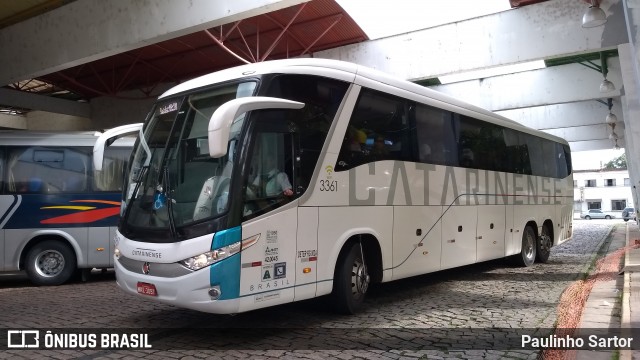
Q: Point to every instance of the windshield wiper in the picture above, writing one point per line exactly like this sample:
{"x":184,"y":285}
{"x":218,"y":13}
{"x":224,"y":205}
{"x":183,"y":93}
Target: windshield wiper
{"x":172,"y":224}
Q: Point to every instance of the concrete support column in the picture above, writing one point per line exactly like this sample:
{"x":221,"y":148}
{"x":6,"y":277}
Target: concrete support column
{"x":631,"y":109}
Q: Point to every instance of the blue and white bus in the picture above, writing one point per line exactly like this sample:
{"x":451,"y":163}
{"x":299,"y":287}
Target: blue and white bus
{"x":389,"y":180}
{"x":58,"y":215}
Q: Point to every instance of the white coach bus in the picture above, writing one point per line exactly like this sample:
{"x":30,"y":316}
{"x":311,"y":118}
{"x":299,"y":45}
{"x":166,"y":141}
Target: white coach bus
{"x":286,"y":180}
{"x":58,"y":215}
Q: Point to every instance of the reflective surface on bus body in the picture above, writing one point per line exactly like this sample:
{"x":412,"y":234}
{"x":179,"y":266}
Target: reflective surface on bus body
{"x":175,"y":185}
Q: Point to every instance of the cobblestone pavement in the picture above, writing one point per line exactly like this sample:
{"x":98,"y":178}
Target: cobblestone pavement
{"x":457,"y":304}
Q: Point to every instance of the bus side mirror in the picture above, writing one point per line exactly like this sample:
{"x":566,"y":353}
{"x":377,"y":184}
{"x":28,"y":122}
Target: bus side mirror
{"x":222,"y":119}
{"x":107,"y":138}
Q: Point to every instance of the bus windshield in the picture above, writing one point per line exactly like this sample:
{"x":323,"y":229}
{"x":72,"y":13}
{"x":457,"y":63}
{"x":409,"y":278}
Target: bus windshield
{"x":173,"y":181}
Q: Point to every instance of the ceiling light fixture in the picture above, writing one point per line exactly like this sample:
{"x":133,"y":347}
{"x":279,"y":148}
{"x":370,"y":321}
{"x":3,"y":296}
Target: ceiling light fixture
{"x":611,"y":118}
{"x":594,"y":16}
{"x":607,"y":86}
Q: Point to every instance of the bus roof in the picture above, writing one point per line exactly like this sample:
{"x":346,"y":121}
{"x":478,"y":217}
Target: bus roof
{"x":345,"y":71}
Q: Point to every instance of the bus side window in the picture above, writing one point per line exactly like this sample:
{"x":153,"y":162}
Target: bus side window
{"x":76,"y":174}
{"x":18,"y":172}
{"x":270,"y":183}
{"x":383,"y":119}
{"x":322,"y":97}
{"x":111,"y":177}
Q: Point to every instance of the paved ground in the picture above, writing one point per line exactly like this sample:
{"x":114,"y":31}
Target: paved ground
{"x":454,"y":309}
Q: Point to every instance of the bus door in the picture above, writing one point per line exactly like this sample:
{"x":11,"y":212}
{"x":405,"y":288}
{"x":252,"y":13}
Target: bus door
{"x":268,"y":272}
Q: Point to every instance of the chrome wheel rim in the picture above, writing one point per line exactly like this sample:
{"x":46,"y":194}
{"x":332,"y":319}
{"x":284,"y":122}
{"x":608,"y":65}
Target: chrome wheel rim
{"x":529,"y":246}
{"x":359,"y":278}
{"x":49,"y":263}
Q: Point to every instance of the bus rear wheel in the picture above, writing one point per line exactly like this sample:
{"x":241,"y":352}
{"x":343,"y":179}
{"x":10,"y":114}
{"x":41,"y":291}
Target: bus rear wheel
{"x":528,"y":252}
{"x":543,"y":245}
{"x":351,"y":281}
{"x":50,"y":263}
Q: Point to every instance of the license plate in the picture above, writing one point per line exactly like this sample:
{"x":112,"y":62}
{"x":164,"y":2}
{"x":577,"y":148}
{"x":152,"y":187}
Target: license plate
{"x":147,"y":289}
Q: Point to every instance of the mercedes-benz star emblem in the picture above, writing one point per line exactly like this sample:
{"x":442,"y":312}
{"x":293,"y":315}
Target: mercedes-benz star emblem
{"x":145,"y":268}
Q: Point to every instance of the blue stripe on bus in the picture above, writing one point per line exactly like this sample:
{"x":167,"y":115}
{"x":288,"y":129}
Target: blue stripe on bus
{"x":36,"y":208}
{"x":226,"y":237}
{"x":226,"y":274}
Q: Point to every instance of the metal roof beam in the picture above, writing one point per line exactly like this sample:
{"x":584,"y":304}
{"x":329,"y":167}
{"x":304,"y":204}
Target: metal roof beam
{"x":93,"y":29}
{"x":282,"y":32}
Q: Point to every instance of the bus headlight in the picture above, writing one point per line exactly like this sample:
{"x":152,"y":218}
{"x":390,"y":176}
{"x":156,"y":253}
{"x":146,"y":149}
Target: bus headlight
{"x":211,"y":257}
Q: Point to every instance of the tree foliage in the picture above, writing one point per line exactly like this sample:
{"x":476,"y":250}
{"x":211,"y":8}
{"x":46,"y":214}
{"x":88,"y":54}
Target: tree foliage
{"x":617,"y":163}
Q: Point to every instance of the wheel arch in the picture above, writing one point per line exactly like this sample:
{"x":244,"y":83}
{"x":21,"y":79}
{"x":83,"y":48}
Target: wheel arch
{"x":59,"y":236}
{"x":372,"y":253}
{"x":549,"y":225}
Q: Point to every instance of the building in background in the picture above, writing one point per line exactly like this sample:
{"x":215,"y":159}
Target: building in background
{"x":609,"y":190}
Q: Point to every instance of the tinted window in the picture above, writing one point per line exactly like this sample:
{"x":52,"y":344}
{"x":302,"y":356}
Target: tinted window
{"x":435,"y":137}
{"x":550,"y":162}
{"x":379,"y":130}
{"x":481,"y":145}
{"x":382,"y":128}
{"x":311,"y":124}
{"x":269,"y":184}
{"x":111,"y":178}
{"x":48,"y":170}
{"x":563,"y":160}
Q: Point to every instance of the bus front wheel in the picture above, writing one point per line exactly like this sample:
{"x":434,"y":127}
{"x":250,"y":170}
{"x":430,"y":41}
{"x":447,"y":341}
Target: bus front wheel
{"x":50,"y":263}
{"x":351,"y":281}
{"x":528,"y":252}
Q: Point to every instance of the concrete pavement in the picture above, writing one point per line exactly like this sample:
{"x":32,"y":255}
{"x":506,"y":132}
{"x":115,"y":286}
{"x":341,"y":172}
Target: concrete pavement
{"x":613,"y":305}
{"x":631,"y":295}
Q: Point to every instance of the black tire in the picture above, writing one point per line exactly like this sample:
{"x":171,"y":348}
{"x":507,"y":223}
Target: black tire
{"x":543,"y":245}
{"x":50,"y":263}
{"x":607,"y":217}
{"x":587,"y":217}
{"x":625,"y":220}
{"x":351,"y":281}
{"x":527,"y":254}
